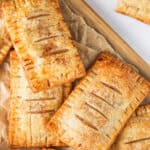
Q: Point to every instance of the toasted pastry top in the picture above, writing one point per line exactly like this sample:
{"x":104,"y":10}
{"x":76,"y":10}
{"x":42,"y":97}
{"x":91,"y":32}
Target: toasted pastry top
{"x":100,"y":105}
{"x":43,"y":43}
{"x":30,"y":112}
{"x":136,"y":133}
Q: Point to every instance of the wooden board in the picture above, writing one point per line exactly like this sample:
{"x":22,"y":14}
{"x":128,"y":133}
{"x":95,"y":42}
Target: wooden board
{"x":95,"y":21}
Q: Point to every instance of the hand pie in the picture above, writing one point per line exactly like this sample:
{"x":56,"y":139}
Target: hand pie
{"x":135,"y":135}
{"x":139,"y":9}
{"x":43,"y":43}
{"x":30,"y":112}
{"x":5,"y":43}
{"x":98,"y":108}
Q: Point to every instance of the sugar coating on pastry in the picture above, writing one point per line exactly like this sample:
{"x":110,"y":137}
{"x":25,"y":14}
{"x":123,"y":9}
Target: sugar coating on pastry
{"x":30,"y":112}
{"x":98,"y":108}
{"x":135,"y":134}
{"x":43,"y":43}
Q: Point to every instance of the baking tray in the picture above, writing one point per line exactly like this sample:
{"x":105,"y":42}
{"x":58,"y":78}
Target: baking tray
{"x":95,"y":21}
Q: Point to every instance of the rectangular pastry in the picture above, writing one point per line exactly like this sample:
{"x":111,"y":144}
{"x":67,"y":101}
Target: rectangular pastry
{"x":139,"y":9}
{"x":135,"y":135}
{"x":5,"y":42}
{"x":100,"y":105}
{"x":30,"y":112}
{"x":43,"y":43}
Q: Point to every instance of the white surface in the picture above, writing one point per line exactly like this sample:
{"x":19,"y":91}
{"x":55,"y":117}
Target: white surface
{"x":135,"y":33}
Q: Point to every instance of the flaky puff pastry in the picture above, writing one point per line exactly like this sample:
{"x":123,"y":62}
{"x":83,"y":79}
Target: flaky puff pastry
{"x":98,"y":108}
{"x":43,"y":42}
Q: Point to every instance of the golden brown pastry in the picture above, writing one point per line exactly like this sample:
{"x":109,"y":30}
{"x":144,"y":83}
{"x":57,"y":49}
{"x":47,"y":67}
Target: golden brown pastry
{"x":5,"y":42}
{"x":43,"y":43}
{"x":135,"y":135}
{"x":139,"y":9}
{"x":30,"y":112}
{"x":98,"y":108}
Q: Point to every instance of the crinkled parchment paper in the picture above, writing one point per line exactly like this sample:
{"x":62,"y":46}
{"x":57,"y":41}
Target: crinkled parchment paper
{"x":89,"y":43}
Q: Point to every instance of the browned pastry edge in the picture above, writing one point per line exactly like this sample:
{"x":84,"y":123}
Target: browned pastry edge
{"x":58,"y":123}
{"x":14,"y":142}
{"x":139,"y":117}
{"x":138,"y":16}
{"x":36,"y":82}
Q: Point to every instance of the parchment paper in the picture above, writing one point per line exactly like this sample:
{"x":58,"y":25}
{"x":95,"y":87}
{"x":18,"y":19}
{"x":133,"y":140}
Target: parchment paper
{"x":89,"y":43}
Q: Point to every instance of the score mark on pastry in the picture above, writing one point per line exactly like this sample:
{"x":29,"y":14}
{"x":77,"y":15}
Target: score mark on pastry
{"x":42,"y":39}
